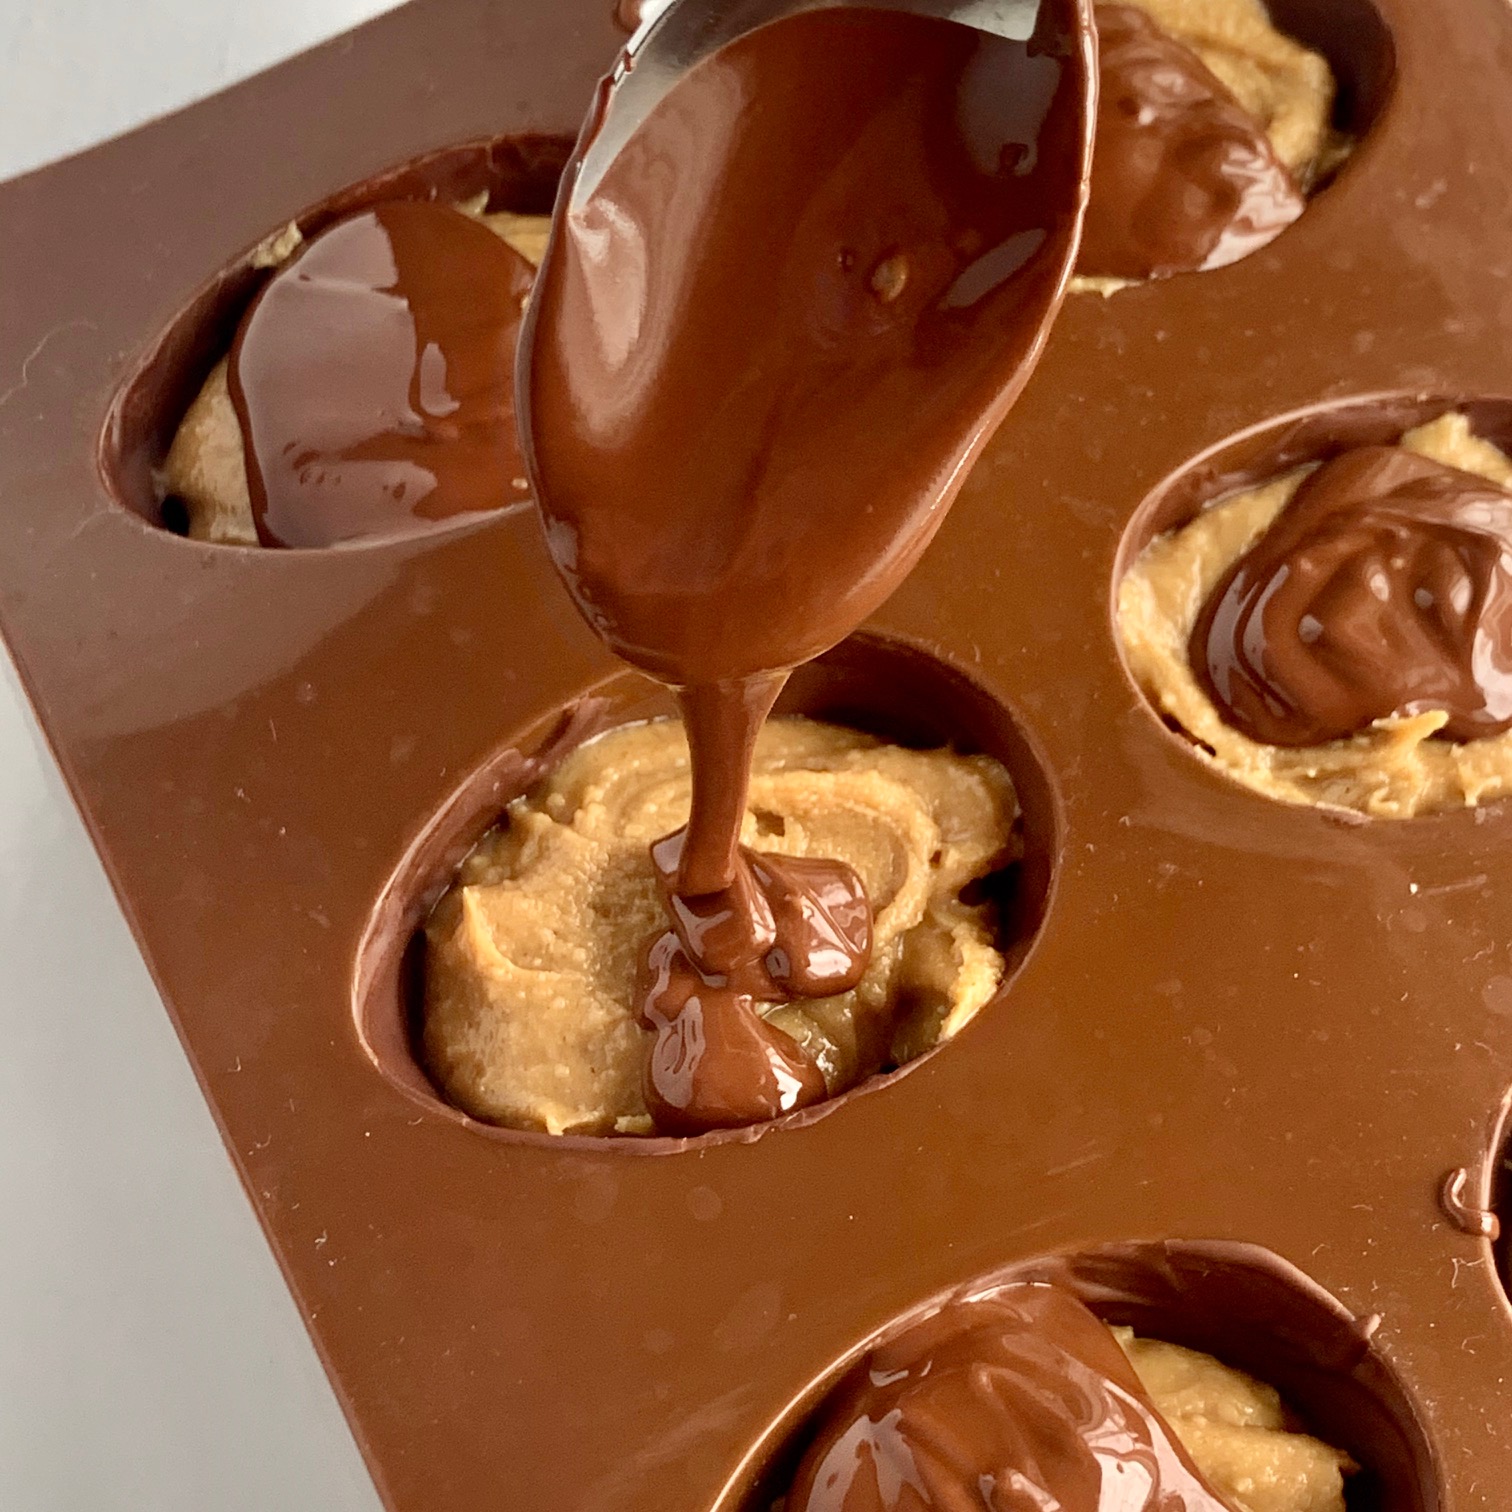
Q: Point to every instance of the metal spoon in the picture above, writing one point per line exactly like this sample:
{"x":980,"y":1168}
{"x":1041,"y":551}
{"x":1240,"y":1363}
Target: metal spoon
{"x":675,"y":35}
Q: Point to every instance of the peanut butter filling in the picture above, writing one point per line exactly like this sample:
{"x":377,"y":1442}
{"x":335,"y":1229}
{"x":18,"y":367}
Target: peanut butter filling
{"x":1395,"y":769}
{"x":532,"y":957}
{"x":1238,"y":1431}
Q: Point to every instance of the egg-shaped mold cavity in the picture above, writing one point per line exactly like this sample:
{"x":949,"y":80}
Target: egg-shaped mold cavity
{"x":883,"y":688}
{"x":1254,"y":457}
{"x":1241,"y":1304}
{"x":517,"y":174}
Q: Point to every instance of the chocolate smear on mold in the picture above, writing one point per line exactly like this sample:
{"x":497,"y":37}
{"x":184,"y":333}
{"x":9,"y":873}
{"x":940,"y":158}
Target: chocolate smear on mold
{"x":1468,"y":1217}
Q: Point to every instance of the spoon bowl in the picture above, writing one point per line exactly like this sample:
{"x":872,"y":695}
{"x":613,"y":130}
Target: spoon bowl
{"x":803,"y":261}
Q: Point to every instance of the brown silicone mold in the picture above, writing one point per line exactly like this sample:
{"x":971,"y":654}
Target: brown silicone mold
{"x":1238,"y":1024}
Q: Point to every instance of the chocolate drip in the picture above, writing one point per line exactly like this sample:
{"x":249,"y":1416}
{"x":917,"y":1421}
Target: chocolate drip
{"x":373,"y":379}
{"x":762,"y":350}
{"x":1467,"y":1216}
{"x":747,"y":928}
{"x":1184,"y":178}
{"x":1383,"y":589}
{"x":1020,"y":1399}
{"x":784,"y":928}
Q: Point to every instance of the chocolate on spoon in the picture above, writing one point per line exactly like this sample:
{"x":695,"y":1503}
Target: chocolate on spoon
{"x":801,"y":266}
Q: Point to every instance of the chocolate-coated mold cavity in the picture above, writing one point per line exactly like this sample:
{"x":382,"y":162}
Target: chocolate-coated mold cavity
{"x":1274,"y":447}
{"x":884,"y":688}
{"x":1240,"y":1303}
{"x":518,"y":173}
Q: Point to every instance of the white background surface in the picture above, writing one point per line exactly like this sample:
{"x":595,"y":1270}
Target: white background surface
{"x":150,"y":1357}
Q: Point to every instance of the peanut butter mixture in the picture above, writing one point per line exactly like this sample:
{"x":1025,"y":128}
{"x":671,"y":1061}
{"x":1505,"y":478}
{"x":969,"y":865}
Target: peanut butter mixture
{"x":1393,"y":770}
{"x":1285,"y":86}
{"x":532,"y":956}
{"x":1238,"y":1431}
{"x":206,"y":466}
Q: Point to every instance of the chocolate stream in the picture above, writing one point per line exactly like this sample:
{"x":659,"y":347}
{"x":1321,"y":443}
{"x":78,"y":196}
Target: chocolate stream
{"x":763,"y":347}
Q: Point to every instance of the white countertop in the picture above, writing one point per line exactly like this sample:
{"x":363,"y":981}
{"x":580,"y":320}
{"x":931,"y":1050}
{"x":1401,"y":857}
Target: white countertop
{"x":151,"y":1359}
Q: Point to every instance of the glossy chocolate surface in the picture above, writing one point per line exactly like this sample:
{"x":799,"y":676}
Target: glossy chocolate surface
{"x":1383,"y":589}
{"x":1019,"y":1399}
{"x":737,"y":458}
{"x":373,"y":378}
{"x":1185,"y":178}
{"x":1238,"y":1022}
{"x":740,"y":455}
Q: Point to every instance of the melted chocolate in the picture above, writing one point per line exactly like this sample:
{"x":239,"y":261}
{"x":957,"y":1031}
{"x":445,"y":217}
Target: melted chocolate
{"x":746,"y":928}
{"x":1184,"y":178}
{"x":511,"y":1321}
{"x":1021,"y":1399}
{"x":1383,"y":589}
{"x":764,"y":346}
{"x":373,"y":380}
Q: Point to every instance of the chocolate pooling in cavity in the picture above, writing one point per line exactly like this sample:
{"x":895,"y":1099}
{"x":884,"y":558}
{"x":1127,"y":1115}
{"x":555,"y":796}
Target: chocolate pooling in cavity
{"x":1184,"y":178}
{"x":373,"y":378}
{"x":768,"y":337}
{"x":1383,"y":589}
{"x":1019,"y":1399}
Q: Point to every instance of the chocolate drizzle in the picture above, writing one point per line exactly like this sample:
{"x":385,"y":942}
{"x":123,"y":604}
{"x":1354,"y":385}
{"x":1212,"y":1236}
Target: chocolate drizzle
{"x":746,"y":928}
{"x":765,"y":343}
{"x":1184,"y":178}
{"x":373,"y":380}
{"x":1383,"y":589}
{"x":1019,"y":1399}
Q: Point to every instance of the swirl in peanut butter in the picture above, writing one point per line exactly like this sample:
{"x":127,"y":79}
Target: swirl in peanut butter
{"x":1384,"y":589}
